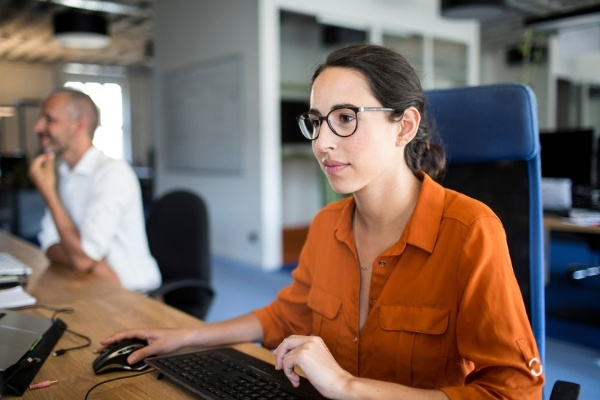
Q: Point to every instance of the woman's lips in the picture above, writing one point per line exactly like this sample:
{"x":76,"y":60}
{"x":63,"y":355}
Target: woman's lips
{"x":333,"y":167}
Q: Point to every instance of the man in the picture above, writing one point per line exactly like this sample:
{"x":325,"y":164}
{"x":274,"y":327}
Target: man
{"x":94,"y":220}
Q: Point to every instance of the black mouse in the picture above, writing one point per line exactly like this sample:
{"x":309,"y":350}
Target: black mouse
{"x":114,"y":357}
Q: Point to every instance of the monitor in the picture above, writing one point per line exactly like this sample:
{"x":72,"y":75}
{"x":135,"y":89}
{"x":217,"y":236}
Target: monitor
{"x":570,"y":153}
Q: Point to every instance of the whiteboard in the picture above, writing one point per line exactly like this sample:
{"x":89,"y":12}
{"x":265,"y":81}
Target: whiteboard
{"x":203,"y":128}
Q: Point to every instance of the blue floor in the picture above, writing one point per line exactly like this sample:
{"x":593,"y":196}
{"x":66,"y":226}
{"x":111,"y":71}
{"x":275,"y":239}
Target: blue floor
{"x":569,"y":355}
{"x":573,"y":310}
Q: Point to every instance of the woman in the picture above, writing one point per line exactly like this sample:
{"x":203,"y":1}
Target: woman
{"x":404,"y":289}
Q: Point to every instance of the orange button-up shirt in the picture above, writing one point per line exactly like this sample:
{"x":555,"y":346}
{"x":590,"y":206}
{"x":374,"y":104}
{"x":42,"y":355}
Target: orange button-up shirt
{"x":445,"y":310}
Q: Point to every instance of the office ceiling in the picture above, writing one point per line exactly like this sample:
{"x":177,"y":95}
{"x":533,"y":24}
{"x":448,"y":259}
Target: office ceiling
{"x":26,"y":29}
{"x":26,"y":32}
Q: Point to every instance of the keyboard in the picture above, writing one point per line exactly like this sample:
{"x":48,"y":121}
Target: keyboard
{"x":226,"y":373}
{"x":9,"y":265}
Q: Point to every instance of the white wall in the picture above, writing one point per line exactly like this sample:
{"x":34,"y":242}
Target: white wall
{"x":581,"y":68}
{"x":190,"y":33}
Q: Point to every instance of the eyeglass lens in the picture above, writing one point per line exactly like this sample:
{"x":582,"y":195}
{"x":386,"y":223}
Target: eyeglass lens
{"x":342,"y":122}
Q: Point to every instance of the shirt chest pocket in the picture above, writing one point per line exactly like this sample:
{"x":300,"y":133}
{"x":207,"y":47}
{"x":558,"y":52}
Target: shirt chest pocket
{"x":325,"y":309}
{"x":414,"y":337}
{"x":432,"y":321}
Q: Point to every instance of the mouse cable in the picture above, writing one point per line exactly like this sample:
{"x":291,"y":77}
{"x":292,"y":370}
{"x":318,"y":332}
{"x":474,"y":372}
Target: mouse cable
{"x":66,"y":310}
{"x":56,"y":312}
{"x":116,"y":379}
{"x":88,"y":342}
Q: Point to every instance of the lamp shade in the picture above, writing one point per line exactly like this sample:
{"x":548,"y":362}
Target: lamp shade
{"x":472,"y":9}
{"x":81,"y":30}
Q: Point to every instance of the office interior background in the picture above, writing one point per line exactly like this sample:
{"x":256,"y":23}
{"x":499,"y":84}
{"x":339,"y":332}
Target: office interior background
{"x":207,"y":88}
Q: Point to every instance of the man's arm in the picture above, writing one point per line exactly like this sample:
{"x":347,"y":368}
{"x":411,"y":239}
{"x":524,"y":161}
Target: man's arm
{"x":68,"y":251}
{"x":57,"y":254}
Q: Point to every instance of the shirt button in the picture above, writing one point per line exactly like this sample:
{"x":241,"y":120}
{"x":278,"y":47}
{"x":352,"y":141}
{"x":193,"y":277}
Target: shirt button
{"x":373,"y":302}
{"x":381,"y":263}
{"x":355,"y":340}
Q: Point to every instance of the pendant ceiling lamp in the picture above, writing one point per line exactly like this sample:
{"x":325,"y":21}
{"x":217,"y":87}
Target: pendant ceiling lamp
{"x":472,"y":9}
{"x":81,"y":30}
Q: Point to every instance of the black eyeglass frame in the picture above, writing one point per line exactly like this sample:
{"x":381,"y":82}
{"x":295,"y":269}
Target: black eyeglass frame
{"x":320,"y":118}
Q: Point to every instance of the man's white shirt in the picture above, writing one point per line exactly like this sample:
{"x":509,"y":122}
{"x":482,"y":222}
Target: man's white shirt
{"x":102,"y":196}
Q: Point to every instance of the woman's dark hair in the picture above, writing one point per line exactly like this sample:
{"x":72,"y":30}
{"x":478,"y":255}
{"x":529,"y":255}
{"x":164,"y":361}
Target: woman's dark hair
{"x":395,"y":84}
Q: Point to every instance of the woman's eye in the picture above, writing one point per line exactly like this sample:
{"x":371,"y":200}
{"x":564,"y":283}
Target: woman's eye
{"x":346,"y":118}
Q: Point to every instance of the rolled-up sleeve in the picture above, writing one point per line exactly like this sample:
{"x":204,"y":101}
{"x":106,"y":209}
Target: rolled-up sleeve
{"x":492,"y":328}
{"x":48,"y":234}
{"x":289,"y":313}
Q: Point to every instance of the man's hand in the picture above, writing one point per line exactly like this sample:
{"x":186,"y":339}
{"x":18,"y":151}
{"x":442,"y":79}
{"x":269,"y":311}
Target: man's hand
{"x":103,"y":270}
{"x":41,"y":173}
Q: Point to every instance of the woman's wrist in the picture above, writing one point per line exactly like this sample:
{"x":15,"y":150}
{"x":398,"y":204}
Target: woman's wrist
{"x":346,"y":387}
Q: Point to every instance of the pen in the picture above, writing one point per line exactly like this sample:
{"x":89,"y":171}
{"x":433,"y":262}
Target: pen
{"x":42,"y":384}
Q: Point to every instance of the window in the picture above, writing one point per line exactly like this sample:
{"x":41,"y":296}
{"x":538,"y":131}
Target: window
{"x":109,"y":99}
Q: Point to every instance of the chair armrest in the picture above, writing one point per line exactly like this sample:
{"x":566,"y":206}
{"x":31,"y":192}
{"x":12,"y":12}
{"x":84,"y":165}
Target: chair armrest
{"x":563,"y":390}
{"x":170,"y":286}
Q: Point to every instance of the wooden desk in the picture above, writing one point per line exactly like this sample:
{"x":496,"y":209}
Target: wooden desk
{"x":100,"y":309}
{"x":555,"y":223}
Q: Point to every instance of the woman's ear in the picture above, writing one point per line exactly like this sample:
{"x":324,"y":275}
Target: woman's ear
{"x":409,"y":125}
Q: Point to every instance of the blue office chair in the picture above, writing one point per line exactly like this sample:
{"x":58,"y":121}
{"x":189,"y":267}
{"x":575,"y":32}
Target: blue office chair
{"x":491,"y":137}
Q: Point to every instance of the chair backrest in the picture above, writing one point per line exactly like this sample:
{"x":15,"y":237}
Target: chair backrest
{"x":179,"y":238}
{"x":491,"y":138}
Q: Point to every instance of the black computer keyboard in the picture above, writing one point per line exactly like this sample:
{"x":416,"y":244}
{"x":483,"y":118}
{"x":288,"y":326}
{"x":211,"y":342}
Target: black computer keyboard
{"x":226,"y":373}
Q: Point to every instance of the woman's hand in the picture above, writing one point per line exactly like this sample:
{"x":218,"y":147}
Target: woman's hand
{"x":245,"y":328}
{"x":160,"y":341}
{"x":312,"y":356}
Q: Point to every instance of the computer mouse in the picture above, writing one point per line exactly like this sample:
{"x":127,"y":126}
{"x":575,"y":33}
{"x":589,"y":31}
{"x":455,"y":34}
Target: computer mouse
{"x":114,"y":357}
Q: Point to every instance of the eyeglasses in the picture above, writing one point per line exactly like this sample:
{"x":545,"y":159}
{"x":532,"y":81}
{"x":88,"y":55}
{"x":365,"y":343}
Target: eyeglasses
{"x":342,"y":121}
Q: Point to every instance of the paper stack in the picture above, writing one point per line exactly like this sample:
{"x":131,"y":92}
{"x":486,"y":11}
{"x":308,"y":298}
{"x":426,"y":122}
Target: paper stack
{"x":15,"y":297}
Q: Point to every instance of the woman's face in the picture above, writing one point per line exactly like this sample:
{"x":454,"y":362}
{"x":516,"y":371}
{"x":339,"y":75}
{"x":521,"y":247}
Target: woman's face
{"x":373,"y":153}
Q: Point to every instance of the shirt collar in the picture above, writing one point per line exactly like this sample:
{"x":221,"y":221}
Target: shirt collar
{"x":85,"y":166}
{"x":423,"y":227}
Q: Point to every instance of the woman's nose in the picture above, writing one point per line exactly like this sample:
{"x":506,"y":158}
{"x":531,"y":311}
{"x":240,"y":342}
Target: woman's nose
{"x":326,"y":138}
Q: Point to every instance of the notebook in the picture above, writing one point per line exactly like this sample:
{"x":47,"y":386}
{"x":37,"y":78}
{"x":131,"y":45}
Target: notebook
{"x":226,"y":373}
{"x":26,"y":341}
{"x":14,"y":297}
{"x":18,"y":332}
